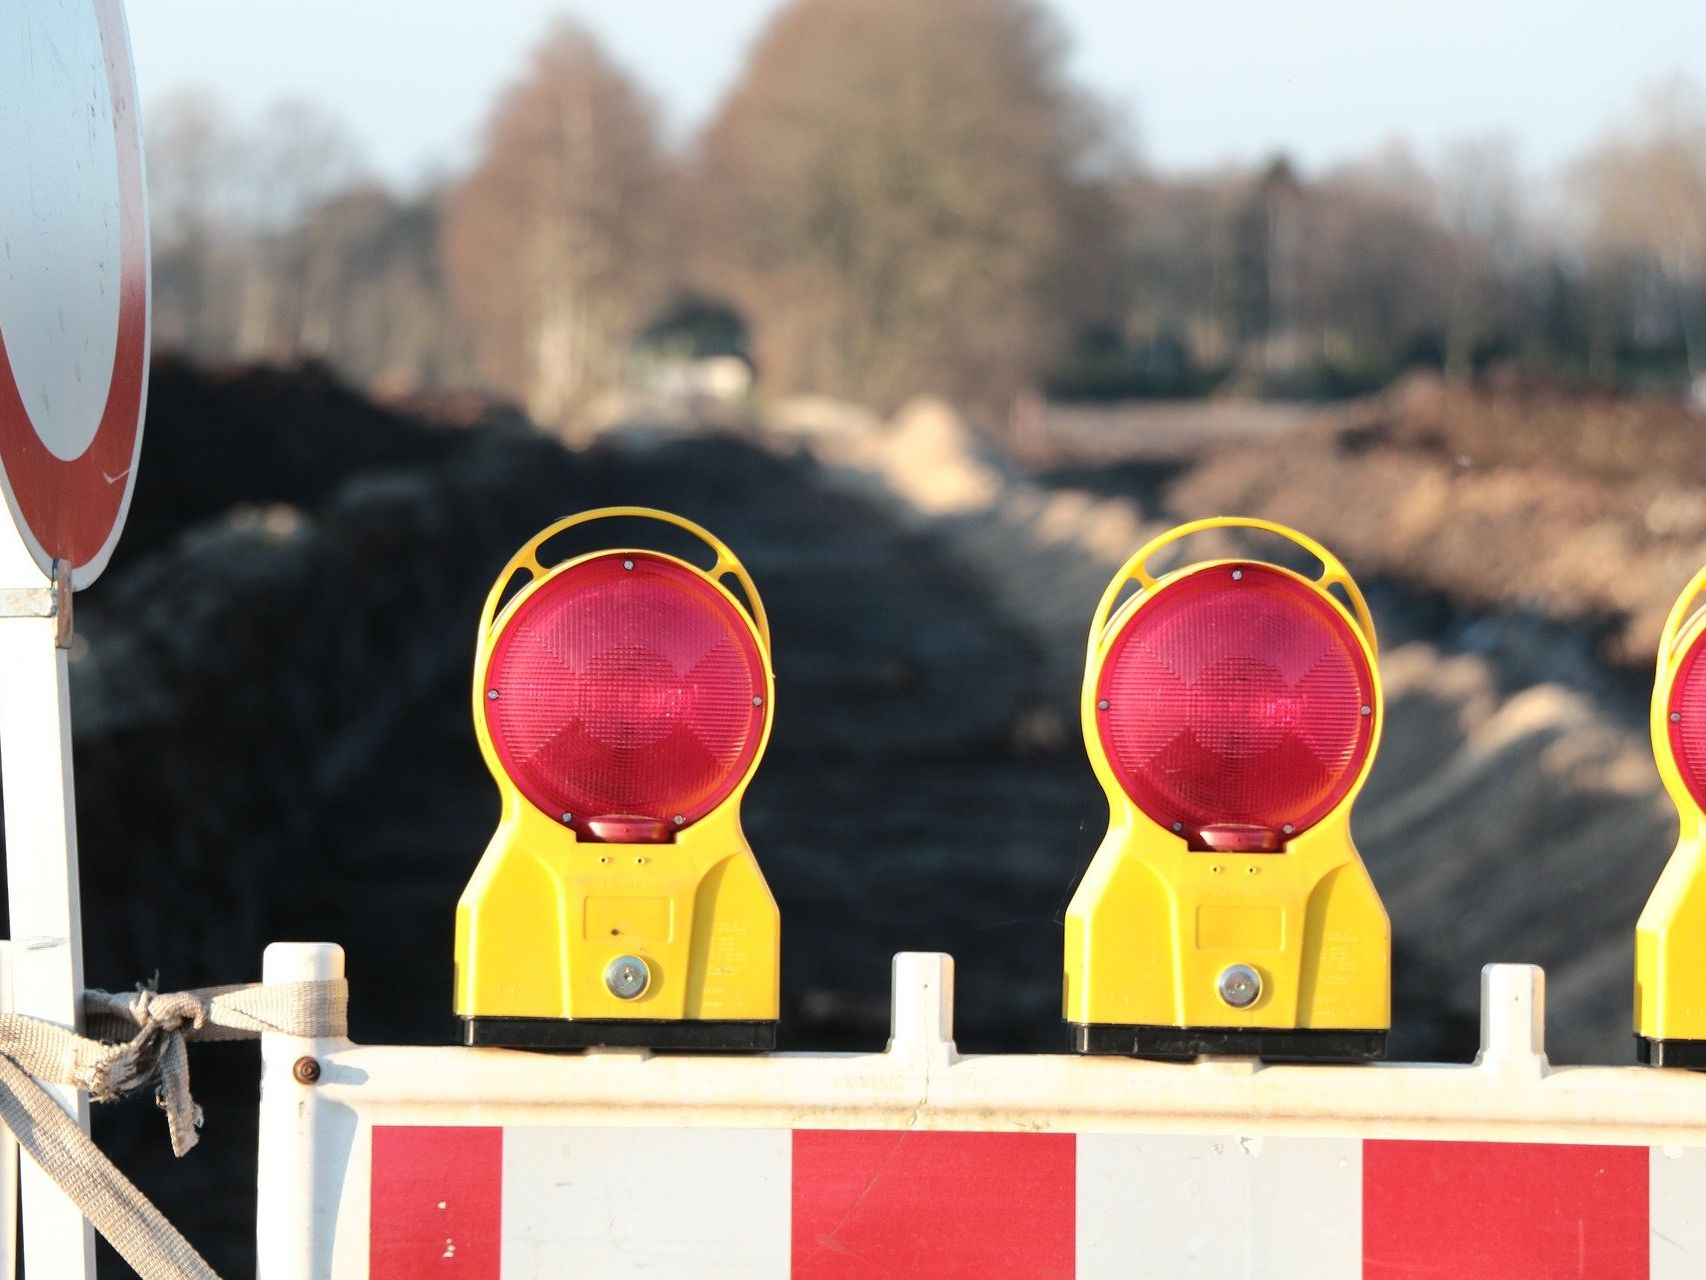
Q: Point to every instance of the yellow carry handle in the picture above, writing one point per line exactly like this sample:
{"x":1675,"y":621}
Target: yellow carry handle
{"x":727,"y":563}
{"x":1136,"y":569}
{"x":1677,"y":624}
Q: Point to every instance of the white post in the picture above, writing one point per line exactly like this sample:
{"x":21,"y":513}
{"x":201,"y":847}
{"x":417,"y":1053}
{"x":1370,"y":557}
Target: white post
{"x":296,"y":1208}
{"x":8,"y":1150}
{"x":921,"y":1005}
{"x":1513,"y":1021}
{"x":41,"y":874}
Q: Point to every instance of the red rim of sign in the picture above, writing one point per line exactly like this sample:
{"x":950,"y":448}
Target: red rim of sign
{"x":72,"y":510}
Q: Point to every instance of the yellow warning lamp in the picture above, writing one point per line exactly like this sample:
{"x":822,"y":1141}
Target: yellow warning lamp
{"x":622,"y":700}
{"x":1231,"y":709}
{"x":1670,"y":937}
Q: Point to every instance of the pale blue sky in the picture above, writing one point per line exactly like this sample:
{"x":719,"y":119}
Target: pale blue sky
{"x":1200,"y":81}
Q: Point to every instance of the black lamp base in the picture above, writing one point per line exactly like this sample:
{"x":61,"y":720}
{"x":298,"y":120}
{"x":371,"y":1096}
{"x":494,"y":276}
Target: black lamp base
{"x":627,"y":1033}
{"x":1670,"y":1053}
{"x":1181,"y":1044}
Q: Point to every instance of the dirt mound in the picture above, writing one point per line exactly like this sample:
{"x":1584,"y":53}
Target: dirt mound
{"x":1512,"y":827}
{"x":1522,"y":421}
{"x":258,"y":435}
{"x":929,"y":454}
{"x":1499,"y":501}
{"x":270,"y":702}
{"x":1507,"y":819}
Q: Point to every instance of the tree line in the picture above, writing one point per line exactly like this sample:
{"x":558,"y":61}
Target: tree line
{"x":897,"y":198}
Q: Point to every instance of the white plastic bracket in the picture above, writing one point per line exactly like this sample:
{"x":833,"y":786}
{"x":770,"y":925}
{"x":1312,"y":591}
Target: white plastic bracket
{"x":50,"y":601}
{"x":921,"y":1012}
{"x":1513,"y":1021}
{"x":28,"y":602}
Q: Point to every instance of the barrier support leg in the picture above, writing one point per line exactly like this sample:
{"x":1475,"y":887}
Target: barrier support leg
{"x":8,"y":1150}
{"x":294,"y":1214}
{"x":41,"y":870}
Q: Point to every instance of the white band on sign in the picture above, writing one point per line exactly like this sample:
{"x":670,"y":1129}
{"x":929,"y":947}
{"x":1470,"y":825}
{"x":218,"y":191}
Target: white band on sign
{"x":59,"y":296}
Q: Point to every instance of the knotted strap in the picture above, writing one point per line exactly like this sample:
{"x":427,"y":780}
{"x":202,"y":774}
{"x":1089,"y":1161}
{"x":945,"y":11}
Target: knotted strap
{"x":136,"y":1040}
{"x":141,"y":1037}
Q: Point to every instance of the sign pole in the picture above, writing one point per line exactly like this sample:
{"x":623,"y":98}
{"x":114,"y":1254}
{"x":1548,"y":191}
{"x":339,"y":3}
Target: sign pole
{"x":74,"y":341}
{"x":8,"y":1150}
{"x":41,"y":870}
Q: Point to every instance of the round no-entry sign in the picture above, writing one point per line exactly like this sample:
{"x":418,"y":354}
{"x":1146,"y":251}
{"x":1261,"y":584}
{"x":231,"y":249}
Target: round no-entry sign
{"x":74,"y":305}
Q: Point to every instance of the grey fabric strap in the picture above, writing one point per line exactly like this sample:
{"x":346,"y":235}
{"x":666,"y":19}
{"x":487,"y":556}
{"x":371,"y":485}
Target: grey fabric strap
{"x":133,"y":1226}
{"x":140,"y":1037}
{"x":136,"y":1040}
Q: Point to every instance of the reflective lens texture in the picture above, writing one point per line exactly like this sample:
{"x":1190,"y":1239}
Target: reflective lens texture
{"x":1687,"y":711}
{"x":1234,"y":697}
{"x":627,"y":686}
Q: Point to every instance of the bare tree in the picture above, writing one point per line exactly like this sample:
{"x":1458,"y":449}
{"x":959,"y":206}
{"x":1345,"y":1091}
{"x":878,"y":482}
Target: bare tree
{"x":1375,"y":263}
{"x":555,"y":244}
{"x":194,"y":157}
{"x":1476,"y":187}
{"x":299,"y":158}
{"x":895,"y":192}
{"x":1645,"y":191}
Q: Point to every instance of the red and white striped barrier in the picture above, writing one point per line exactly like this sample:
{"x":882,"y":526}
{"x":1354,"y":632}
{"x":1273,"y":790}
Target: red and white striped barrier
{"x":482,"y":1203}
{"x":918,"y":1164}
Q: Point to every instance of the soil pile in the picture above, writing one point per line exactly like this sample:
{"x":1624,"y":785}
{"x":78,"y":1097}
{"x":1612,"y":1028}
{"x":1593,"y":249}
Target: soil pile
{"x":270,"y":696}
{"x":1587,"y":510}
{"x":1513,"y":813}
{"x":270,"y":703}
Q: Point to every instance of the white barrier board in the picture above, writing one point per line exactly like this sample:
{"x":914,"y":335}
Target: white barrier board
{"x":496,"y":1165}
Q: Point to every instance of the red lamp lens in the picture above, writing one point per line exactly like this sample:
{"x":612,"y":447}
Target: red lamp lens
{"x":1232,"y":703}
{"x":1687,"y":712}
{"x":625,"y":692}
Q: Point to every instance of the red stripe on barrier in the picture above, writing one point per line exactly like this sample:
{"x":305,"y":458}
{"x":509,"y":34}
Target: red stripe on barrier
{"x":1514,"y":1210}
{"x":879,"y":1204}
{"x":437,"y":1203}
